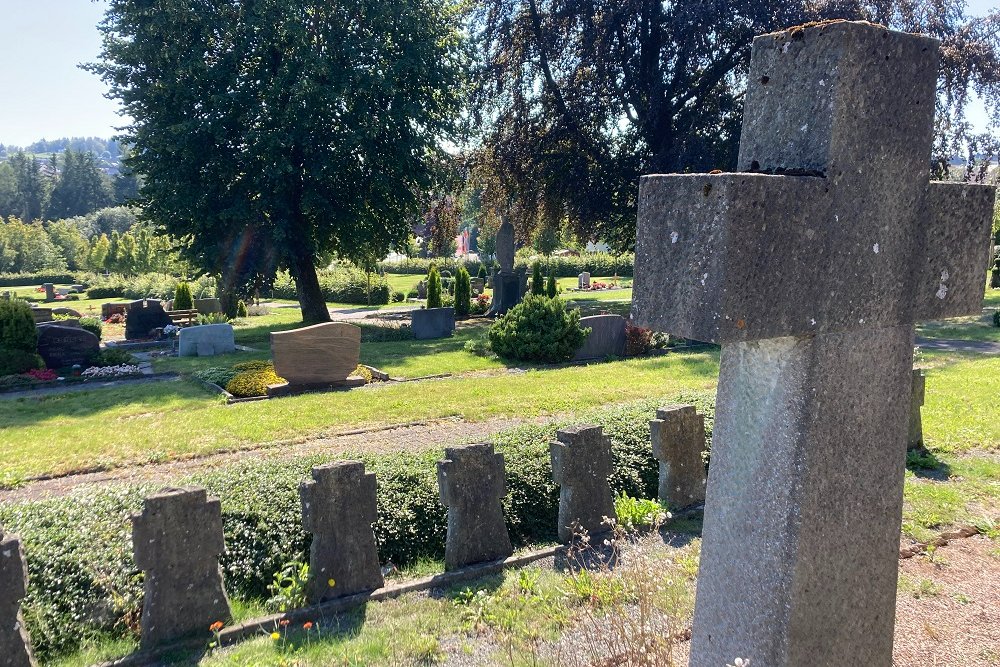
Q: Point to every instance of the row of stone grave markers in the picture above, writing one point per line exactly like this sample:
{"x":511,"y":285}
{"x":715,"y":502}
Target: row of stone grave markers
{"x":178,"y":536}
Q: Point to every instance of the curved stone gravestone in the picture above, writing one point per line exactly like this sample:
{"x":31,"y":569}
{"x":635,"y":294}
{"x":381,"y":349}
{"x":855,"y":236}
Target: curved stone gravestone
{"x":63,"y":310}
{"x":15,"y":648}
{"x":206,"y":340}
{"x":317,"y":356}
{"x":142,"y":316}
{"x":61,"y":346}
{"x":606,"y":338}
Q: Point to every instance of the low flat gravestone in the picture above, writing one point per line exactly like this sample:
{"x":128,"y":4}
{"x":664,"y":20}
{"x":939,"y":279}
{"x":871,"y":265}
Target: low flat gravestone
{"x":810,"y":268}
{"x":678,"y":437}
{"x":318,"y":356}
{"x":109,"y":309}
{"x":41,"y":315}
{"x":606,"y":339}
{"x":471,"y":483}
{"x":61,"y":346}
{"x":142,"y":316}
{"x":338,"y":508}
{"x":177,"y":542}
{"x":15,"y":647}
{"x":581,"y":465}
{"x":916,"y":437}
{"x":206,"y":340}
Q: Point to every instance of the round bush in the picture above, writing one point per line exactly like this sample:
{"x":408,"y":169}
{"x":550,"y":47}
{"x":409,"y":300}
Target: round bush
{"x":13,"y":362}
{"x":17,"y":326}
{"x":538,"y":329}
{"x":252,"y":383}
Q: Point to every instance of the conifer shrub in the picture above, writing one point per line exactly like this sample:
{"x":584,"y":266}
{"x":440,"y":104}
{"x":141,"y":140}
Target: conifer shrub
{"x":538,"y":329}
{"x":433,"y":288}
{"x":182,"y":297}
{"x":241,"y":308}
{"x":17,"y":326}
{"x":537,"y":282}
{"x":463,"y":292}
{"x":551,"y":288}
{"x":482,"y":272}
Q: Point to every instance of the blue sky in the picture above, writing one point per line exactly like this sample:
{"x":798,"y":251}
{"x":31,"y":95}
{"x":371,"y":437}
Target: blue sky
{"x":45,"y":94}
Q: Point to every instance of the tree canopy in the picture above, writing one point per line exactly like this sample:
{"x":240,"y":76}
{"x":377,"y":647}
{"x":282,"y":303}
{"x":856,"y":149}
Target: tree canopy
{"x":271,"y":132}
{"x":575,"y":99}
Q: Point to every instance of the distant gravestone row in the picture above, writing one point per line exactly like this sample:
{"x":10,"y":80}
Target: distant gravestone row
{"x":178,"y":536}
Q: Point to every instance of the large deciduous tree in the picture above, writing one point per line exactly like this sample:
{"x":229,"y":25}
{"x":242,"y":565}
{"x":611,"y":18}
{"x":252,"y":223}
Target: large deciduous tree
{"x":271,"y":132}
{"x":578,"y":98}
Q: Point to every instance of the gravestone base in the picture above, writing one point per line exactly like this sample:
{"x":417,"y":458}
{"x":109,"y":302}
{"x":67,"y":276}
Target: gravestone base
{"x":286,"y":389}
{"x":805,"y":499}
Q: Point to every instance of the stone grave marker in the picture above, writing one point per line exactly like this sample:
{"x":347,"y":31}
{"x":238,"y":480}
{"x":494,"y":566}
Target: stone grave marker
{"x":471,"y":483}
{"x":50,"y":291}
{"x":208,"y":306}
{"x":606,"y":337}
{"x":317,"y":357}
{"x":338,"y":508}
{"x":206,"y":340}
{"x":61,"y":346}
{"x":177,"y":540}
{"x":63,"y":310}
{"x":41,"y":314}
{"x":581,"y":465}
{"x":583,"y":281}
{"x":15,"y":647}
{"x":916,"y":436}
{"x":810,"y":268}
{"x":678,"y":437}
{"x":109,"y":309}
{"x":142,"y":316}
{"x":508,"y":283}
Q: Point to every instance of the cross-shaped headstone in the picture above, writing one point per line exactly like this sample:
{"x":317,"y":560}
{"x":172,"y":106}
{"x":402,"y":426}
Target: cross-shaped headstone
{"x":810,"y":268}
{"x":177,"y":541}
{"x":339,"y":508}
{"x":471,"y":482}
{"x":678,"y":438}
{"x":581,"y":465}
{"x":15,"y":648}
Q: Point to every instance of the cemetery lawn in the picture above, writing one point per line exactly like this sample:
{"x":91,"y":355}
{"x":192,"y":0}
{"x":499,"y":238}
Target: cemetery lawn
{"x":64,"y":433}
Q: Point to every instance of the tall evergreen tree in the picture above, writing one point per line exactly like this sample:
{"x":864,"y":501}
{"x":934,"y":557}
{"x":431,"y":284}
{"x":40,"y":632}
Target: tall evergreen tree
{"x":32,"y":192}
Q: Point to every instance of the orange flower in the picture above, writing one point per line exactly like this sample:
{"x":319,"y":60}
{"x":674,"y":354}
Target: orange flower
{"x":307,"y":625}
{"x":283,"y":623}
{"x":215,"y":627}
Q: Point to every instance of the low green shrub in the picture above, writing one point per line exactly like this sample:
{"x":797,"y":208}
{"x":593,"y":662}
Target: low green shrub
{"x":18,"y":361}
{"x":538,"y":329}
{"x":16,"y":381}
{"x":83,"y":581}
{"x":93,"y":325}
{"x":17,"y":326}
{"x":147,"y":285}
{"x":22,"y":279}
{"x":635,"y":513}
{"x":216,"y":375}
{"x":213,"y":318}
{"x":110,"y":356}
{"x":247,"y":384}
{"x":551,"y":288}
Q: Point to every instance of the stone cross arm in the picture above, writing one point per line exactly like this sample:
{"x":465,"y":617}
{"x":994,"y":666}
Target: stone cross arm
{"x":831,"y":225}
{"x":336,"y":487}
{"x":178,"y":527}
{"x":580,"y":451}
{"x":470,"y":472}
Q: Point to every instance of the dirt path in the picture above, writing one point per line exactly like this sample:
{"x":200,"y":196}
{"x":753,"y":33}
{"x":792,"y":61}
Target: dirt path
{"x":407,"y":437}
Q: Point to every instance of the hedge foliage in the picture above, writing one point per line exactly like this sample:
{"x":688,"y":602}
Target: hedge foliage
{"x":595,"y":263}
{"x":84,"y":582}
{"x":343,"y":284}
{"x":17,"y":326}
{"x":35,"y":279}
{"x":146,"y":286}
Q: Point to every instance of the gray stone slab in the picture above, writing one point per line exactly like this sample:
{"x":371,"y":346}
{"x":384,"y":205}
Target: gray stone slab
{"x":583,"y":281}
{"x":206,"y":340}
{"x":606,"y":338}
{"x":338,"y":508}
{"x":208,"y":306}
{"x":581,"y":465}
{"x":678,"y":438}
{"x":15,"y":646}
{"x":142,"y":316}
{"x":50,"y":291}
{"x":429,"y":323}
{"x":811,"y":267}
{"x":61,"y":346}
{"x":471,"y":483}
{"x":177,"y":540}
{"x":917,"y":389}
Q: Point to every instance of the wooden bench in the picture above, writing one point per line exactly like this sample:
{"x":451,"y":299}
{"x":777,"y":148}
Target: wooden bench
{"x":183,"y":318}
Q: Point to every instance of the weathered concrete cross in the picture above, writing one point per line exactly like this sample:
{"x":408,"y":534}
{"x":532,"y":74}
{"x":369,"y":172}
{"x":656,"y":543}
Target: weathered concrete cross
{"x":811,"y":268}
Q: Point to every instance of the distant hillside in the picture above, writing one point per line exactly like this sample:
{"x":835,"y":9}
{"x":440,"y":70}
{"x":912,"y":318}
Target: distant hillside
{"x":107,"y":151}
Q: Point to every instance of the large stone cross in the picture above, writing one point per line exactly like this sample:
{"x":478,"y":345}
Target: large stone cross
{"x":810,"y":267}
{"x":15,"y":647}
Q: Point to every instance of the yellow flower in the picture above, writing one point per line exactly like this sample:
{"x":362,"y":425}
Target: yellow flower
{"x":275,"y":636}
{"x":330,"y":583}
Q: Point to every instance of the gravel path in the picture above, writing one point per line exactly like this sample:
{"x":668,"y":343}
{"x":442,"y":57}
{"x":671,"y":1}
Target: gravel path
{"x":406,"y":437}
{"x":946,"y":345}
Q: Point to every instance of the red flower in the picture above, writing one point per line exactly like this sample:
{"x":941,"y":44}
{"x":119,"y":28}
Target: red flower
{"x":307,"y":625}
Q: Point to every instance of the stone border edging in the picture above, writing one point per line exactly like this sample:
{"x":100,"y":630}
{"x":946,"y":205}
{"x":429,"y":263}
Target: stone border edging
{"x":268,"y":624}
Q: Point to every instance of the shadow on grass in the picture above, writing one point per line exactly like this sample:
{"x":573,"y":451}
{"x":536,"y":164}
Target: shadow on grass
{"x":924,"y":463}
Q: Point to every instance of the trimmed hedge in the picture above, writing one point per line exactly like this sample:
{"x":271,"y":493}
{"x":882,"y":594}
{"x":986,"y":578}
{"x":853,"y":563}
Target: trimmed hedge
{"x":595,"y":263}
{"x":84,"y":583}
{"x":35,"y":279}
{"x":340,"y":285}
{"x":147,"y":286}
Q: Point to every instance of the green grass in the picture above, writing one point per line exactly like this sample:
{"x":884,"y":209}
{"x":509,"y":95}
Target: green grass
{"x":161,"y":421}
{"x":961,"y":410}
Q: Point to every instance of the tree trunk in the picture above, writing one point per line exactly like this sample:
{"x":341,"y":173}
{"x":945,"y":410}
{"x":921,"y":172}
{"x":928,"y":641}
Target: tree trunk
{"x":311,"y":299}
